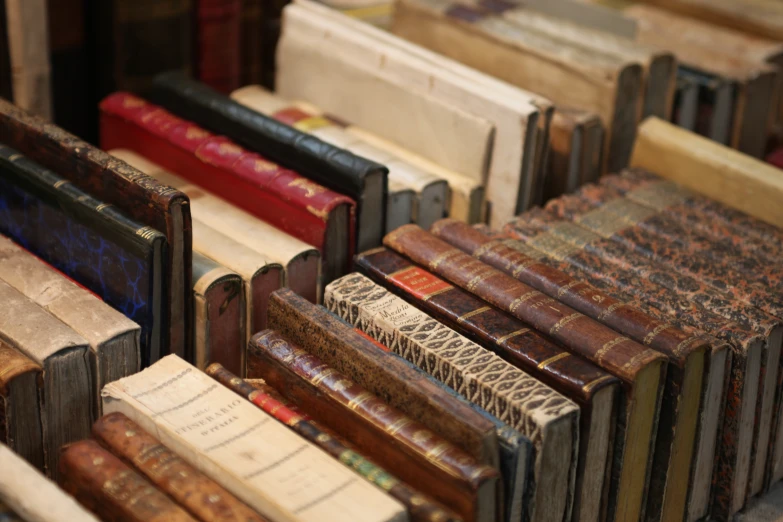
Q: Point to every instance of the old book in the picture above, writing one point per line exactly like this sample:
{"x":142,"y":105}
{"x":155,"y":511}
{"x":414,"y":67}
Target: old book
{"x":113,"y":182}
{"x":279,"y":196}
{"x":31,"y":496}
{"x":114,"y":339}
{"x":218,"y":33}
{"x":362,"y":180}
{"x":641,"y":369}
{"x":250,"y":53}
{"x":195,"y":492}
{"x":28,"y":41}
{"x":520,"y":119}
{"x":432,"y":193}
{"x":590,"y":387}
{"x":119,"y":259}
{"x":260,"y":275}
{"x":220,"y":321}
{"x":399,"y":205}
{"x":678,"y":425}
{"x":575,"y":151}
{"x":164,"y":399}
{"x":111,"y":489}
{"x":20,"y":418}
{"x":714,"y":104}
{"x":686,"y":102}
{"x":588,"y":14}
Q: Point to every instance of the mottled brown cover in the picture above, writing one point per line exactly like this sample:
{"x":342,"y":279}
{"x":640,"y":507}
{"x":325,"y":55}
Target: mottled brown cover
{"x":406,"y":448}
{"x":112,"y":490}
{"x":194,"y":491}
{"x":384,"y":374}
{"x":12,"y":365}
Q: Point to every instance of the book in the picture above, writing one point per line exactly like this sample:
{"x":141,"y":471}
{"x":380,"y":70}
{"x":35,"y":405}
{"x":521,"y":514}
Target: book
{"x":121,"y":260}
{"x":587,"y":385}
{"x":6,"y":84}
{"x":546,"y":417}
{"x":338,"y":344}
{"x":191,"y":489}
{"x":399,"y":205}
{"x":20,"y":418}
{"x":28,"y":42}
{"x":111,"y":489}
{"x":641,"y":369}
{"x":301,"y":262}
{"x":575,"y":151}
{"x":164,"y":399}
{"x":219,"y":32}
{"x":362,"y":180}
{"x":250,"y":52}
{"x":114,"y":339}
{"x":279,"y":196}
{"x":686,"y":102}
{"x":116,"y":183}
{"x":32,"y":496}
{"x":219,"y":306}
{"x":714,"y":104}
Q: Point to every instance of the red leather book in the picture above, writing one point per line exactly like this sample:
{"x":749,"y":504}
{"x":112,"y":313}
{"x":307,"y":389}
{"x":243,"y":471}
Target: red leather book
{"x":279,"y":196}
{"x":219,"y":43}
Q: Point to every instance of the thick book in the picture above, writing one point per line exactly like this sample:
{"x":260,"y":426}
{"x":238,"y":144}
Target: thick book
{"x":114,"y":339}
{"x":362,"y":180}
{"x":575,"y":151}
{"x":218,"y":53}
{"x":219,"y":315}
{"x":283,"y":478}
{"x":115,"y":183}
{"x":20,"y":418}
{"x":590,"y":387}
{"x":281,"y":197}
{"x":119,"y":259}
{"x":28,"y":42}
{"x":191,"y":489}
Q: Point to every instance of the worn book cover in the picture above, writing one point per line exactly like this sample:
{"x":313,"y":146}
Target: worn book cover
{"x":20,"y":418}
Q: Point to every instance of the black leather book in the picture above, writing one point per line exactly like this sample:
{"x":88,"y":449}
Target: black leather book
{"x":337,"y":169}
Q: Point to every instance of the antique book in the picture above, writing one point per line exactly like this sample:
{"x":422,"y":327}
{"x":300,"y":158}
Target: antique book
{"x":114,"y":339}
{"x":521,"y":120}
{"x":399,"y":204}
{"x":596,"y":81}
{"x":432,"y":193}
{"x":590,"y":387}
{"x":362,"y":417}
{"x":28,"y":42}
{"x":218,"y":53}
{"x":546,"y":417}
{"x":592,"y":15}
{"x":111,"y":489}
{"x":260,"y":275}
{"x":575,"y":151}
{"x":191,"y":489}
{"x":686,"y":101}
{"x":736,"y":180}
{"x":250,"y":52}
{"x":360,"y":179}
{"x":301,"y":262}
{"x":113,"y":182}
{"x":279,"y":196}
{"x":642,"y":370}
{"x":32,"y":496}
{"x":119,"y":259}
{"x":220,"y":320}
{"x":20,"y":418}
{"x":714,"y":105}
{"x":170,"y":398}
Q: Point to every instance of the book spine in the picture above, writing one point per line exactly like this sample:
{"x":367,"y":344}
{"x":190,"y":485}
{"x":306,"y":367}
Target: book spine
{"x":251,"y":51}
{"x":420,"y":508}
{"x":112,"y":490}
{"x":12,"y":365}
{"x":190,"y":488}
{"x":219,"y":43}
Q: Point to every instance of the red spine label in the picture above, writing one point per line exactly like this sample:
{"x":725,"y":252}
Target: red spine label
{"x":418,"y":282}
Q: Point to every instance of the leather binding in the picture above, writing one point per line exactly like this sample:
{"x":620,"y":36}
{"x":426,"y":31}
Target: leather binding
{"x":112,"y":490}
{"x":113,"y":182}
{"x":276,"y":195}
{"x":251,"y":32}
{"x":192,"y":490}
{"x":512,"y":340}
{"x":119,"y":259}
{"x":618,"y":355}
{"x":20,"y":421}
{"x":337,"y":344}
{"x":420,"y":508}
{"x":337,"y":169}
{"x":219,"y":43}
{"x":437,"y":467}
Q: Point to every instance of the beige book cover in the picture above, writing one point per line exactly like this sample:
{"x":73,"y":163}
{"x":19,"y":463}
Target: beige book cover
{"x":28,"y":42}
{"x":583,"y":12}
{"x":245,"y":450}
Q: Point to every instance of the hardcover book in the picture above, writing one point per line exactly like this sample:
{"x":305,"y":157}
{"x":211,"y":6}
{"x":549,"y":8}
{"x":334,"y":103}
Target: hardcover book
{"x":575,"y":154}
{"x":20,"y":418}
{"x":28,"y":43}
{"x":219,"y":59}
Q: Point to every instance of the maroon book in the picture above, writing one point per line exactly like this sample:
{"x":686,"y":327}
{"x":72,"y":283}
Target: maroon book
{"x":219,"y":55}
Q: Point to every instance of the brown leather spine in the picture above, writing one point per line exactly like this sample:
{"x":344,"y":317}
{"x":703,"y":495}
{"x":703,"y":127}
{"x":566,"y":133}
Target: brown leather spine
{"x":113,"y":491}
{"x":404,"y":447}
{"x":12,"y":365}
{"x":194,"y":491}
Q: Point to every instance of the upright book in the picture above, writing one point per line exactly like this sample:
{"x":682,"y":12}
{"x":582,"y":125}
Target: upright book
{"x":20,"y":418}
{"x":218,"y":55}
{"x":28,"y":42}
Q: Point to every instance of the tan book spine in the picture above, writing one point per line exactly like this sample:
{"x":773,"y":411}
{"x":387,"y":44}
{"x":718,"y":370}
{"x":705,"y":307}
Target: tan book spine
{"x":28,"y":43}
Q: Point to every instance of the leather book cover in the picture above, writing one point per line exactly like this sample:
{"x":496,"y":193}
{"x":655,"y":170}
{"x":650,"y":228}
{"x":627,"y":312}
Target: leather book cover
{"x":114,"y":182}
{"x":119,"y":259}
{"x":251,"y":38}
{"x":192,"y":490}
{"x":112,"y":490}
{"x":218,"y":54}
{"x":332,"y":167}
{"x":316,"y":330}
{"x":420,"y":508}
{"x":279,"y":196}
